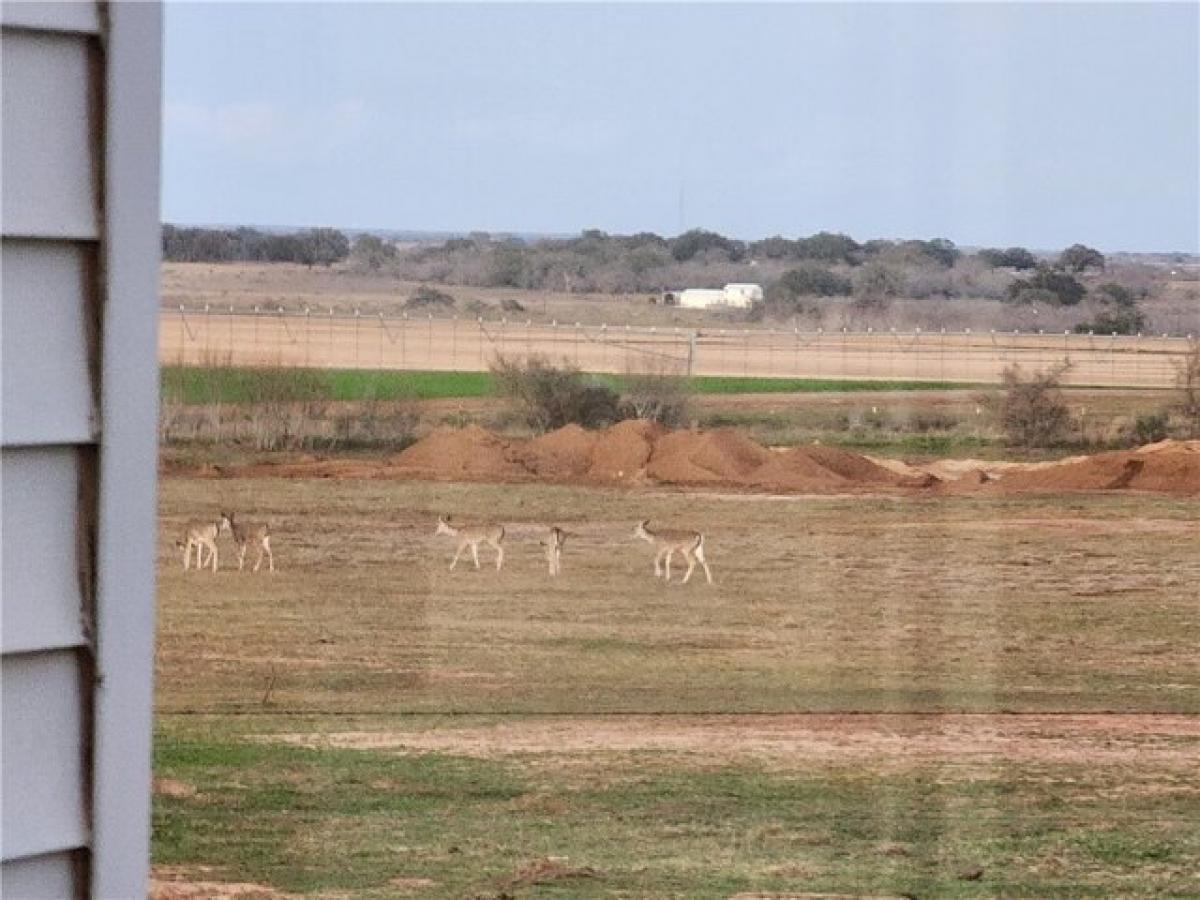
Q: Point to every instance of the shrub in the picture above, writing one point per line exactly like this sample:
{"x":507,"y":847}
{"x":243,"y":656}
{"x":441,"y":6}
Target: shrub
{"x":1030,"y":410}
{"x":658,"y":396}
{"x":1115,"y":294}
{"x":814,"y":280}
{"x":1187,"y":379}
{"x":550,"y":396}
{"x":426,"y":297}
{"x":1066,"y":290}
{"x":512,"y":305}
{"x":876,"y":283}
{"x":1013,"y":258}
{"x":1149,"y":428}
{"x":1128,"y":320}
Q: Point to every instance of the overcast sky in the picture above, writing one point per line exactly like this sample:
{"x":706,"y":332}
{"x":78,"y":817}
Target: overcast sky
{"x":1034,"y":125}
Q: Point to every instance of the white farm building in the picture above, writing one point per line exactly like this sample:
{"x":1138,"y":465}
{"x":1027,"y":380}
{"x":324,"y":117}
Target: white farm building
{"x":734,"y":296}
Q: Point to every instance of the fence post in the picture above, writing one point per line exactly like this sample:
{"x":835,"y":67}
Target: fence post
{"x":307,"y":337}
{"x":357,"y":314}
{"x":429,"y":345}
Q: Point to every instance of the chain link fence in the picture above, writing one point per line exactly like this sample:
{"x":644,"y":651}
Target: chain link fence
{"x":260,"y":337}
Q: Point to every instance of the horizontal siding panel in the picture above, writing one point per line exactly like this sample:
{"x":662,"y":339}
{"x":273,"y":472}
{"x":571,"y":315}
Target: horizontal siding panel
{"x":62,"y":15}
{"x":40,"y":584}
{"x":47,"y":395}
{"x":49,"y":169}
{"x":48,"y":877}
{"x":42,"y":806}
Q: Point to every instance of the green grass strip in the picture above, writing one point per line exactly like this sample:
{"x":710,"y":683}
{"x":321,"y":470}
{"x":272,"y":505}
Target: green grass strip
{"x":233,"y":384}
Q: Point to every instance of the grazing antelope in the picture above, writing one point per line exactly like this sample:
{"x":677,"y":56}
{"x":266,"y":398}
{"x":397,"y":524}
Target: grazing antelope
{"x":554,"y":544}
{"x":667,"y":541}
{"x":202,"y":536}
{"x":472,"y":536}
{"x":246,"y":534}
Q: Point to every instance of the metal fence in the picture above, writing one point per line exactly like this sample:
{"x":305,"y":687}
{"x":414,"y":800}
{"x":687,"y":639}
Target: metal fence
{"x":208,"y":336}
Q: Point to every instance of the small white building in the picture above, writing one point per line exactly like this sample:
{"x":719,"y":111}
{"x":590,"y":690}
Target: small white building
{"x":743,"y":296}
{"x":733,"y":296}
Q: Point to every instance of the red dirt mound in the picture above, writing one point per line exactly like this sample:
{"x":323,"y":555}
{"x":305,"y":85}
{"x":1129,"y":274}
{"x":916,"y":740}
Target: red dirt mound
{"x":1174,"y":471}
{"x":471,"y":451}
{"x":565,"y":453}
{"x":853,"y":466}
{"x":724,"y":456}
{"x":621,"y":452}
{"x":795,"y":470}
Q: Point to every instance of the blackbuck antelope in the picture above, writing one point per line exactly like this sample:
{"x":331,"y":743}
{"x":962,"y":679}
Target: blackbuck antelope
{"x":472,"y":536}
{"x":554,"y":545}
{"x":667,"y":541}
{"x":202,"y":536}
{"x":245,"y":535}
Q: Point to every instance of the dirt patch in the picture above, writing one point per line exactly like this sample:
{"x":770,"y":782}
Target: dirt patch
{"x":786,"y":741}
{"x":548,"y":870}
{"x":177,"y":883}
{"x":412,"y":885}
{"x":170,"y":787}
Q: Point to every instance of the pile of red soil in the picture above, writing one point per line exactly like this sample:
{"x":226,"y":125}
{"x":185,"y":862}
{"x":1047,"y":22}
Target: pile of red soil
{"x":1171,"y":470}
{"x":795,"y":470}
{"x":724,"y":456}
{"x":565,"y":453}
{"x":854,"y":467}
{"x":622,"y":451}
{"x":470,"y":451}
{"x":636,"y":450}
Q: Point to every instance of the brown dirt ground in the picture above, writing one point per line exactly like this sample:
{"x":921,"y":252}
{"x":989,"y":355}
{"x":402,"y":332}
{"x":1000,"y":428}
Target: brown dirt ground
{"x":785,"y":741}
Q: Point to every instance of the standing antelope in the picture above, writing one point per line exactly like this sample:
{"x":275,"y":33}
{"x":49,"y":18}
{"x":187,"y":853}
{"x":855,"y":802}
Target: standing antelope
{"x":245,"y":534}
{"x":667,"y":541}
{"x":472,"y":536}
{"x":202,"y":536}
{"x":554,"y":544}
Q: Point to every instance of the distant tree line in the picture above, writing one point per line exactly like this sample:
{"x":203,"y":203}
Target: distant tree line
{"x":800,"y":275}
{"x":315,"y":246}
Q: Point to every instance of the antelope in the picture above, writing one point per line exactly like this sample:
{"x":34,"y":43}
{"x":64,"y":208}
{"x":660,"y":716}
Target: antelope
{"x":202,"y":536}
{"x":667,"y":541}
{"x":472,"y":536}
{"x":554,"y":544}
{"x":245,"y":534}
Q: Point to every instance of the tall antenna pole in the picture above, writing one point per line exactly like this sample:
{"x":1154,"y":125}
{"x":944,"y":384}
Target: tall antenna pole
{"x":681,"y":216}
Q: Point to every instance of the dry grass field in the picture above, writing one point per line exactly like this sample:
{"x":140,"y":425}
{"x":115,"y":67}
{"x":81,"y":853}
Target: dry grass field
{"x":880,"y":696}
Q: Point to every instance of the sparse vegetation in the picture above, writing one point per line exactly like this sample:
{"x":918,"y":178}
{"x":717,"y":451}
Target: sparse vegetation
{"x":659,"y":396}
{"x":1187,"y":406}
{"x":426,"y":298}
{"x":1030,"y":409}
{"x":550,"y":396}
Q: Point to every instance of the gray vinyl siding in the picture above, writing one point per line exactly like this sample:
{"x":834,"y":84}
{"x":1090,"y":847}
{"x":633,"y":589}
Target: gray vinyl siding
{"x":78,"y":252}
